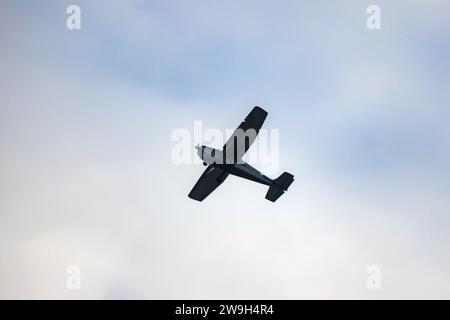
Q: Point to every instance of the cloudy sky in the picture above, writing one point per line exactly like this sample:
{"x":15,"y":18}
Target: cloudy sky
{"x":87,"y":179}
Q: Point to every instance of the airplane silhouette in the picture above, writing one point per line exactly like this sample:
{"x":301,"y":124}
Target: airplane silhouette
{"x":227,"y":161}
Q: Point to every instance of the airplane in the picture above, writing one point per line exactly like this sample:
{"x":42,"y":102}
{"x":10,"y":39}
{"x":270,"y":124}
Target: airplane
{"x":222,"y":163}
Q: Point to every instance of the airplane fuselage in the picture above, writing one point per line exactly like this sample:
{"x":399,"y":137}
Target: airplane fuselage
{"x":244,"y":170}
{"x":236,"y":167}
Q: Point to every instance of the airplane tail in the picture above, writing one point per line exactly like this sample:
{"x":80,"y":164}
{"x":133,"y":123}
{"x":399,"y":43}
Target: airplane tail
{"x":279,"y":185}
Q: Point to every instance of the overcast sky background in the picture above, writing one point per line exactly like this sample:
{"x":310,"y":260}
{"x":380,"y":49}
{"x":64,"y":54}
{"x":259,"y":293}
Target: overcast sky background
{"x":86,"y":176}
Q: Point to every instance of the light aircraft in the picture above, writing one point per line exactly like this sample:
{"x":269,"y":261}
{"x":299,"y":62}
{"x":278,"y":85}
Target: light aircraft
{"x":222,"y":163}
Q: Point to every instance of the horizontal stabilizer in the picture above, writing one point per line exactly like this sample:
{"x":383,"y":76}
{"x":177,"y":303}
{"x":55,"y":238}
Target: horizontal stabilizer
{"x":279,"y":186}
{"x":274,"y":193}
{"x":284,"y":181}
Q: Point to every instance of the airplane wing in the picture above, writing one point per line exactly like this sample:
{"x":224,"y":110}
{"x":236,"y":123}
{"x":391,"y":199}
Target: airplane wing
{"x":208,"y":182}
{"x":241,"y":140}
